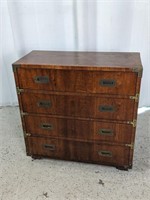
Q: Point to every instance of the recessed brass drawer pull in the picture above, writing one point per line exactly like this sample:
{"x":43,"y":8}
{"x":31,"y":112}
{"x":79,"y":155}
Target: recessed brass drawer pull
{"x":105,"y":108}
{"x":44,"y":103}
{"x":105,"y":153}
{"x":107,"y":83}
{"x":50,"y":147}
{"x":41,"y":79}
{"x":108,"y":132}
{"x":46,"y":126}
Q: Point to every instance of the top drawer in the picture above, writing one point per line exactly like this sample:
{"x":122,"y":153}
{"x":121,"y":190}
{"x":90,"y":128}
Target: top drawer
{"x":82,"y":81}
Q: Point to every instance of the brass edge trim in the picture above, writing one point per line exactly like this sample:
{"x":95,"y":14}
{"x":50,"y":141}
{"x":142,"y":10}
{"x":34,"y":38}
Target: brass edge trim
{"x":136,"y":97}
{"x":130,"y":145}
{"x":133,"y":123}
{"x":15,"y":68}
{"x":138,"y":70}
{"x":27,"y":134}
{"x":23,"y":113}
{"x":19,"y":90}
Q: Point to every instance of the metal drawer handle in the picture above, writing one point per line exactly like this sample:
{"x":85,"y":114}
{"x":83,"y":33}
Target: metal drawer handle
{"x":105,"y":153}
{"x":50,"y":147}
{"x":107,"y":83}
{"x":41,"y":79}
{"x":108,"y":132}
{"x":47,"y":126}
{"x":44,"y":103}
{"x":105,"y":108}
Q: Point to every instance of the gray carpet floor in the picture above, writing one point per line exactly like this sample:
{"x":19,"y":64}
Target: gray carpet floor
{"x":22,"y":178}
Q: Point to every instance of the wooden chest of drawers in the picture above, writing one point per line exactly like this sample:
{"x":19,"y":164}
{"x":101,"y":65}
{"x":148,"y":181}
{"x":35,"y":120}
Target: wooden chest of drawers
{"x":79,"y":106}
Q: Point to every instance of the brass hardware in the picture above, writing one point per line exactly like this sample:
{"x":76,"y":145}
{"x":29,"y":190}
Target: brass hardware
{"x":44,"y":103}
{"x":105,"y":108}
{"x":105,"y":153}
{"x":108,"y":132}
{"x":23,"y":113}
{"x":138,"y":70}
{"x":130,"y":145}
{"x":27,"y":134}
{"x":15,"y":68}
{"x":107,"y":83}
{"x":136,"y":97}
{"x":41,"y":79}
{"x":50,"y":147}
{"x":133,"y":123}
{"x":46,"y":126}
{"x":19,"y":90}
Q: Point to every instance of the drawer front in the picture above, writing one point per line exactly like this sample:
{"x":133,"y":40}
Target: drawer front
{"x":59,"y":127}
{"x":78,"y":106}
{"x":120,"y":83}
{"x":44,"y":147}
{"x":112,"y":132}
{"x":111,"y":154}
{"x":79,"y":151}
{"x":78,"y":81}
{"x":78,"y":129}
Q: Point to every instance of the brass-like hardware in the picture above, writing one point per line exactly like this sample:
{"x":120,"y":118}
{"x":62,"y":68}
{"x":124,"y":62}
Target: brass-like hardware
{"x":50,"y":147}
{"x":130,"y":145}
{"x":105,"y":153}
{"x":41,"y":79}
{"x":19,"y":90}
{"x":46,"y":126}
{"x":44,"y":103}
{"x":23,"y":113}
{"x":108,"y":132}
{"x":15,"y":68}
{"x":138,"y":70}
{"x":27,"y":134}
{"x":107,"y":83}
{"x":133,"y":123}
{"x":136,"y":97}
{"x":106,"y":108}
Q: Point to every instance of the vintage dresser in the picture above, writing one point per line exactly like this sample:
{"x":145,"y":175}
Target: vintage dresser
{"x":79,"y":106}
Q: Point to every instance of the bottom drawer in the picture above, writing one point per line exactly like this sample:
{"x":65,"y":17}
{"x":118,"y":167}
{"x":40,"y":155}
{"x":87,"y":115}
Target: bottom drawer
{"x":79,"y":151}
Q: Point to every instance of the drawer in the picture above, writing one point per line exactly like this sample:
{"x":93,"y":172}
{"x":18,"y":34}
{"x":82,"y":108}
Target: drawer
{"x":78,"y":129}
{"x":79,"y":151}
{"x":44,"y":147}
{"x":81,"y":81}
{"x":78,"y":106}
{"x":111,"y":154}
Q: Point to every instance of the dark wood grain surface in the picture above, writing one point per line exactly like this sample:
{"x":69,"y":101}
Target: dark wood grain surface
{"x":79,"y":151}
{"x":78,"y":129}
{"x":79,"y":105}
{"x":99,"y":59}
{"x":78,"y":81}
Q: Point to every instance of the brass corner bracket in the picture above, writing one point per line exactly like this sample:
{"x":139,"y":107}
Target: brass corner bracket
{"x":133,"y":123}
{"x":138,"y":70}
{"x":15,"y":68}
{"x":136,"y":97}
{"x":27,"y":134}
{"x":130,"y":145}
{"x":19,"y":90}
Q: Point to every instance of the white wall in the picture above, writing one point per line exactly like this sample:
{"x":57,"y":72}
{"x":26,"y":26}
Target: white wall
{"x":110,"y":25}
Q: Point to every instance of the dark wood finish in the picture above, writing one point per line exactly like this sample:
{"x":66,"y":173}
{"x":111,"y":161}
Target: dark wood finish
{"x":79,"y":105}
{"x":79,"y":151}
{"x":78,"y":81}
{"x":78,"y":129}
{"x":82,"y":59}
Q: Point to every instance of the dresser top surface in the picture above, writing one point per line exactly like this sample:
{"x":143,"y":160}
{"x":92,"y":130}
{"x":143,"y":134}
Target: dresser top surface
{"x":82,"y":59}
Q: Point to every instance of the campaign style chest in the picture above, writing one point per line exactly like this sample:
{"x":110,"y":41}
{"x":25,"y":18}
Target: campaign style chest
{"x":79,"y":106}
